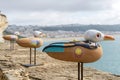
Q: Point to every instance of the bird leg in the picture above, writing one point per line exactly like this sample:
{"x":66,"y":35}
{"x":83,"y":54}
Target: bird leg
{"x":13,"y":47}
{"x":10,"y":45}
{"x":34,"y":56}
{"x":79,"y":70}
{"x":30,"y":55}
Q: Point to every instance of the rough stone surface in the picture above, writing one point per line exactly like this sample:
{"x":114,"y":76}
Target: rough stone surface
{"x":49,"y":68}
{"x":3,"y":26}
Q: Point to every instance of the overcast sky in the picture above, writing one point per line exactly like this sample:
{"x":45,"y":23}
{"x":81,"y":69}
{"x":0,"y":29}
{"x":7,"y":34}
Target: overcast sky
{"x":55,"y":12}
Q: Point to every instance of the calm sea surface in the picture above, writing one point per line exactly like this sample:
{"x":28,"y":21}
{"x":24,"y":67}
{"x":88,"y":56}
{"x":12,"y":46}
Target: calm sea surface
{"x":110,"y":61}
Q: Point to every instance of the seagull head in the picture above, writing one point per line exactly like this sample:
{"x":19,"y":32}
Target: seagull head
{"x":96,"y":36}
{"x":37,"y":33}
{"x":16,"y":33}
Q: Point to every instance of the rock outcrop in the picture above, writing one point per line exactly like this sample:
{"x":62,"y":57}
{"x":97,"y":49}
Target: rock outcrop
{"x":3,"y":25}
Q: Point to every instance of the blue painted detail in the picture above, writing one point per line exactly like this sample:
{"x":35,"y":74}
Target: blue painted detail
{"x":13,"y":37}
{"x":35,"y":42}
{"x":54,"y":49}
{"x":58,"y":45}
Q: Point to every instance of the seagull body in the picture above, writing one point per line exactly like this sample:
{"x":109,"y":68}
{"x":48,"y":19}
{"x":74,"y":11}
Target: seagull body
{"x":30,"y":42}
{"x":33,"y":42}
{"x":11,"y":37}
{"x":83,"y":51}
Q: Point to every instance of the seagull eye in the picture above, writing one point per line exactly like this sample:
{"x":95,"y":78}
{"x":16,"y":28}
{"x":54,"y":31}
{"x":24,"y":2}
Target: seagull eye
{"x":98,"y":35}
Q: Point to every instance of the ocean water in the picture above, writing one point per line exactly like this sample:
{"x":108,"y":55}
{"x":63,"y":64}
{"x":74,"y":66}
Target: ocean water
{"x":110,"y":61}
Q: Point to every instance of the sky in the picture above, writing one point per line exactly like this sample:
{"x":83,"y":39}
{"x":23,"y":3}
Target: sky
{"x":57,"y":12}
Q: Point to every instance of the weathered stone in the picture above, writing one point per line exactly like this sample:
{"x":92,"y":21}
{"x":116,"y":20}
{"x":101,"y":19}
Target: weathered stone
{"x":51,"y":70}
{"x":3,"y":26}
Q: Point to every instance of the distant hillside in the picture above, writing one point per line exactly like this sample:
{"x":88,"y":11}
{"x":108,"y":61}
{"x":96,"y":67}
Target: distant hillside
{"x":77,"y":28}
{"x":61,"y":28}
{"x":70,"y":27}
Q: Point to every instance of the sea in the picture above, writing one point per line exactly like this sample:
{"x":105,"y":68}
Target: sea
{"x":110,"y":60}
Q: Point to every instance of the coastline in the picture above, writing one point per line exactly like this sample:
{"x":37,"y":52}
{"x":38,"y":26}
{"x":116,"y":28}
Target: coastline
{"x":65,"y":39}
{"x":49,"y":68}
{"x":74,"y":38}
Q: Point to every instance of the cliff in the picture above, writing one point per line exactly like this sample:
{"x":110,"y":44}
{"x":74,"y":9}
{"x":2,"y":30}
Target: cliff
{"x":3,"y":25}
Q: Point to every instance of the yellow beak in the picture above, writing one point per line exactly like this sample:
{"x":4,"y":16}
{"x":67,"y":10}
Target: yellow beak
{"x":109,"y":37}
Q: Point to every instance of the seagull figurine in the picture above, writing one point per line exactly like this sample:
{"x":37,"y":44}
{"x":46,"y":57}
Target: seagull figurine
{"x":86,"y":51}
{"x":12,"y":39}
{"x":34,"y":42}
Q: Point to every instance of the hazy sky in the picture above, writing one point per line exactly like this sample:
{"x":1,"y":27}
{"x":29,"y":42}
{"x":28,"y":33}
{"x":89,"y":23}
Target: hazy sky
{"x":55,"y":12}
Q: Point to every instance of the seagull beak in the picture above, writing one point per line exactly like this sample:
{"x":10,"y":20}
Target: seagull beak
{"x":109,"y":37}
{"x":42,"y":35}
